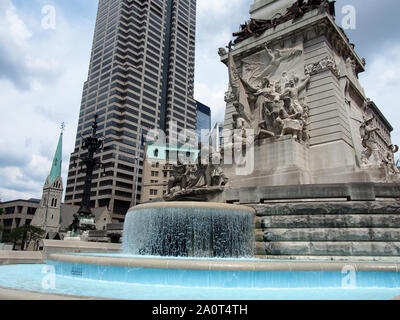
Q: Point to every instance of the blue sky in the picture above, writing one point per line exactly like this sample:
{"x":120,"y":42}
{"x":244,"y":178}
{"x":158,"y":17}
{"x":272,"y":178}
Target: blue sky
{"x":42,"y":74}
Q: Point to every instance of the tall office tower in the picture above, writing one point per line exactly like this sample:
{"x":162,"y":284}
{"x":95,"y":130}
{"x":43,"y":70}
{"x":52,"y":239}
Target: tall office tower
{"x":203,"y":122}
{"x":141,"y":77}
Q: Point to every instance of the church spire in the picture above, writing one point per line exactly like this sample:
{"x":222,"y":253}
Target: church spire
{"x":57,"y":161}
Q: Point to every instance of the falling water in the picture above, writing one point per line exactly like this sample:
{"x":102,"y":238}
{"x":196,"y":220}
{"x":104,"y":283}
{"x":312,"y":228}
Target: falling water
{"x":189,"y":232}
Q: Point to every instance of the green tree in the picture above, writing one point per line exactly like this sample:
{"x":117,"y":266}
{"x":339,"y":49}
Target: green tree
{"x":24,"y":235}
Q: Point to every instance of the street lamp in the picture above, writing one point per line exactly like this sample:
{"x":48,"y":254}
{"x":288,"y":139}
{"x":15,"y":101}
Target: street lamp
{"x":84,"y":218}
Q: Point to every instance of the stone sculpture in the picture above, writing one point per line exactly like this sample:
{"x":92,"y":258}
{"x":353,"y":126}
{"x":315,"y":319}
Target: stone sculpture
{"x":270,"y":108}
{"x":197,"y":179}
{"x":256,"y":27}
{"x":388,"y":162}
{"x":276,"y":57}
{"x":367,"y":131}
{"x":351,"y":66}
{"x":327,"y":63}
{"x":178,"y":179}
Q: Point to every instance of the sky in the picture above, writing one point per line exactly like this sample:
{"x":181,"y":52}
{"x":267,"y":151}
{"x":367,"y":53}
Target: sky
{"x":44,"y":63}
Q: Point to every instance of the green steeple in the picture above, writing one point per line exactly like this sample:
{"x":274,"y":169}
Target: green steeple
{"x":56,"y":167}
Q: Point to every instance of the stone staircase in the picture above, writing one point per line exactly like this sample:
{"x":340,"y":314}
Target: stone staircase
{"x":328,"y":230}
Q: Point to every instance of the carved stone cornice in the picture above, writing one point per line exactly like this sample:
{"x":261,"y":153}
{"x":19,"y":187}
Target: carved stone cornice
{"x":256,"y":27}
{"x":327,"y":63}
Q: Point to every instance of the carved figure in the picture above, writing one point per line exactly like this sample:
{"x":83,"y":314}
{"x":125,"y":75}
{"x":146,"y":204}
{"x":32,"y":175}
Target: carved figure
{"x":292,"y":94}
{"x":200,"y":178}
{"x":388,"y":161}
{"x":324,"y":64}
{"x":276,"y":57}
{"x":178,"y":180}
{"x":240,"y":138}
{"x":368,"y":141}
{"x":351,"y":66}
{"x":222,"y":52}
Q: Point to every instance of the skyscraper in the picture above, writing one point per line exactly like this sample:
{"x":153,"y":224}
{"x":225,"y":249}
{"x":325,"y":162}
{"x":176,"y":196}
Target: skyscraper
{"x":141,"y":77}
{"x":203,"y":121}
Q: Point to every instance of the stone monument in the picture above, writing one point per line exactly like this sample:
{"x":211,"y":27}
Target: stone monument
{"x":294,"y":81}
{"x":303,"y":145}
{"x":324,"y":183}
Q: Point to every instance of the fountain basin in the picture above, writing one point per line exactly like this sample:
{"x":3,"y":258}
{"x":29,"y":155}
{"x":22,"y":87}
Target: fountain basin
{"x":189,"y":229}
{"x":118,"y":276}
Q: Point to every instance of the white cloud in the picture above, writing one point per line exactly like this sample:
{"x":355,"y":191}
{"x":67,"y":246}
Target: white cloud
{"x":13,"y":26}
{"x":53,"y":73}
{"x":216,"y":20}
{"x":217,"y":8}
{"x":10,"y":194}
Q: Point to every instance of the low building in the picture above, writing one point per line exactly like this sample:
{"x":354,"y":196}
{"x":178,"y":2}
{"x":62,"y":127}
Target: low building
{"x":17,"y":213}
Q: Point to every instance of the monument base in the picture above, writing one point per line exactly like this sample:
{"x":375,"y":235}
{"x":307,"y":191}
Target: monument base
{"x":276,"y":162}
{"x":286,"y":162}
{"x":328,"y":229}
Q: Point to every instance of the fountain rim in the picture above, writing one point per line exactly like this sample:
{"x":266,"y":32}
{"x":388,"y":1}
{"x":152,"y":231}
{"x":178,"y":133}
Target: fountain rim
{"x":192,"y":205}
{"x":224,"y":265}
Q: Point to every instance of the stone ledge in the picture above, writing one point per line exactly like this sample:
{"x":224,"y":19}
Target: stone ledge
{"x":351,"y":249}
{"x":15,"y":294}
{"x":226,"y":265}
{"x":365,"y":191}
{"x":317,"y":208}
{"x":21,"y":257}
{"x":59,"y":246}
{"x":369,"y":259}
{"x":192,"y":205}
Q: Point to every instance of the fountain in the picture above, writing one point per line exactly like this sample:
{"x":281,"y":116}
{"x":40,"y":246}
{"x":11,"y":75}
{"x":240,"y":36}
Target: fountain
{"x":189,"y":229}
{"x":195,"y":251}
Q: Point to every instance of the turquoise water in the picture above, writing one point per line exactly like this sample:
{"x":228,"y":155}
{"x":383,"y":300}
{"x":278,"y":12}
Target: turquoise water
{"x":159,"y":284}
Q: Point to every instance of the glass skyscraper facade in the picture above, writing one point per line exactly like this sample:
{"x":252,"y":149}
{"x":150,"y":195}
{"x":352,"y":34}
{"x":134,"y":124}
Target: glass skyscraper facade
{"x":203,"y":120}
{"x":141,"y":77}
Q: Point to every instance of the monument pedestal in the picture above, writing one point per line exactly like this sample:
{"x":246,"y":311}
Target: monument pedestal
{"x":275,"y":162}
{"x":287,"y":162}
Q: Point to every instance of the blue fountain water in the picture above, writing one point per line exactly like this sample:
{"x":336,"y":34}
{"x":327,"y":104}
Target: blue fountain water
{"x":200,"y":285}
{"x":192,"y":234}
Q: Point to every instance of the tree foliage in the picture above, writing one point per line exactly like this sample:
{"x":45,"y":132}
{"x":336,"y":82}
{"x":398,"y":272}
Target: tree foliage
{"x":24,"y":235}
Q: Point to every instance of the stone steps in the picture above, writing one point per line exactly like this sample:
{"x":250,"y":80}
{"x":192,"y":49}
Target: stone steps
{"x":329,"y":234}
{"x":330,"y":221}
{"x":333,"y":229}
{"x":328,"y":248}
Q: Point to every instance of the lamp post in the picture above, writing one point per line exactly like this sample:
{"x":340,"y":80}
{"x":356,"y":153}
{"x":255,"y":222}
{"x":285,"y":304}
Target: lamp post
{"x":84,"y":218}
